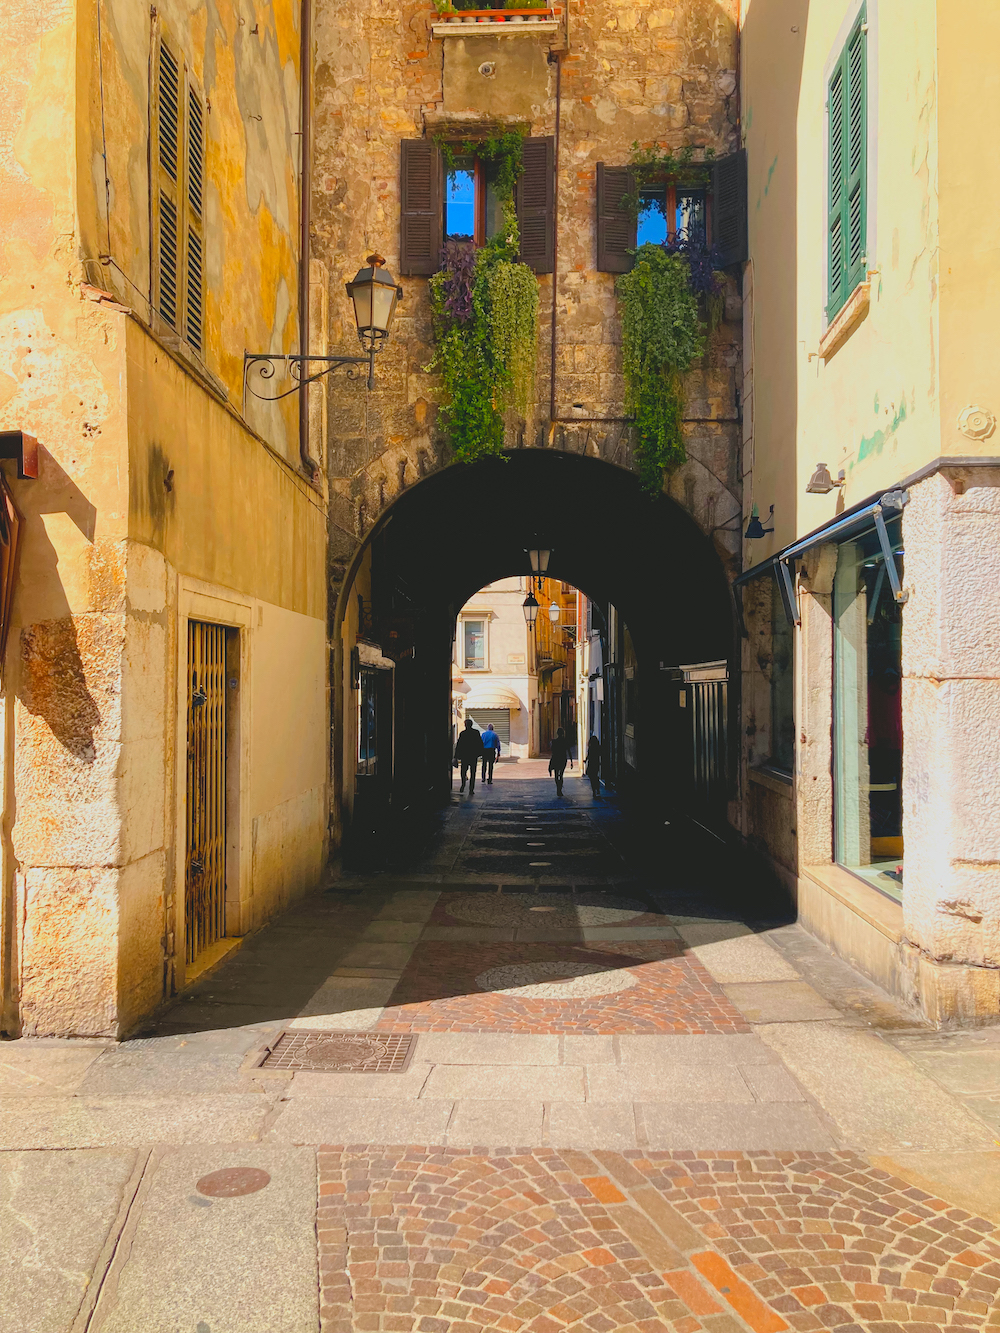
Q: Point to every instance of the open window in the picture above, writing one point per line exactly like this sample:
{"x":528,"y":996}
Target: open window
{"x":459,"y":202}
{"x":710,"y":215}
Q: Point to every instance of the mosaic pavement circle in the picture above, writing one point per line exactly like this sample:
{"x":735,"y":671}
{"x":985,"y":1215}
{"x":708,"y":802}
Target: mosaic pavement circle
{"x":544,"y":909}
{"x":556,"y":980}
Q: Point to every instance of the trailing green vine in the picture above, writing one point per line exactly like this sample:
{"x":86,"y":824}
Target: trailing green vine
{"x":662,"y":335}
{"x":484,"y":305}
{"x":653,"y":164}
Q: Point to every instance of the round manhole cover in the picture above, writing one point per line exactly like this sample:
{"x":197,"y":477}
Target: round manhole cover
{"x":232,"y":1181}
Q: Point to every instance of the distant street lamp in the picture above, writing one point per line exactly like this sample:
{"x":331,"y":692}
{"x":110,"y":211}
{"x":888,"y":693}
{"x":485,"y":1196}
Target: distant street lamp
{"x":539,"y":558}
{"x":375,"y":295}
{"x":554,"y":612}
{"x":530,"y":608}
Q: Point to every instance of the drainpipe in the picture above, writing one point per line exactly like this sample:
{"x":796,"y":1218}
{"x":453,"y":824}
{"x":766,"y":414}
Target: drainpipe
{"x":309,"y":464}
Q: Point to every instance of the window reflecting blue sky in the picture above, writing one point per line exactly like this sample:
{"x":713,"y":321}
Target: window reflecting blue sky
{"x":652,"y":227}
{"x":460,"y":204}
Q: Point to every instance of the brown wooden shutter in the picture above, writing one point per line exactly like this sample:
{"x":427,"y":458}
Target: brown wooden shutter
{"x":168,"y":241}
{"x":194,"y":294}
{"x":616,"y":224}
{"x":729,"y":209}
{"x":421,"y":210}
{"x":535,"y":214}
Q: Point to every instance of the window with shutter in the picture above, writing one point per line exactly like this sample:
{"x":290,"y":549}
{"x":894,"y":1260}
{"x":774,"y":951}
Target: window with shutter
{"x":178,"y":156}
{"x":535,"y":193}
{"x":420,"y":207}
{"x":616,"y":224}
{"x":729,"y":209}
{"x":847,"y":111}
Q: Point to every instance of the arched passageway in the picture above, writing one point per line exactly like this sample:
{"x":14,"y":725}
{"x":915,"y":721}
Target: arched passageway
{"x":468,"y":526}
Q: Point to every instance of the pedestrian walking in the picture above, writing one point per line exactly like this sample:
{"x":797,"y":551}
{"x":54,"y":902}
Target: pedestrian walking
{"x":468,"y":753}
{"x":491,"y":753}
{"x":593,"y":765}
{"x":560,"y":757}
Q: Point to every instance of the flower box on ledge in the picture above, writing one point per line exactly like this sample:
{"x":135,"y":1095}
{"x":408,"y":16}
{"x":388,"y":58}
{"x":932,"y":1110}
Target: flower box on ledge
{"x":496,"y":22}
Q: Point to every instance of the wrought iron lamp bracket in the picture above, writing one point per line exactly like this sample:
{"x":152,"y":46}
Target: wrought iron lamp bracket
{"x":298,"y":369}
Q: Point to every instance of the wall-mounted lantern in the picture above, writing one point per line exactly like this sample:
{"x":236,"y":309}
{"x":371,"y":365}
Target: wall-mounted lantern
{"x":530,"y":608}
{"x":755,"y":528}
{"x":821,"y":483}
{"x":375,"y":295}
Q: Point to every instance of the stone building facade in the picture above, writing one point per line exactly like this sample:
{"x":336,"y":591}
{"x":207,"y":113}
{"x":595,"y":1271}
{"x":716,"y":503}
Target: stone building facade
{"x":591,"y":81}
{"x":871,"y":698}
{"x":149,"y":208}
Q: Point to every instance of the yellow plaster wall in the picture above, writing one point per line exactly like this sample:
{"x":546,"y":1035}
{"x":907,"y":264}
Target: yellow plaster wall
{"x":872,"y":408}
{"x":968,"y":37}
{"x":251,"y":82}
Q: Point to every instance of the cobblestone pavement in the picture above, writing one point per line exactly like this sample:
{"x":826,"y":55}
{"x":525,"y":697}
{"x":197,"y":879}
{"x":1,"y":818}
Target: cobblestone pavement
{"x":638,"y":1097}
{"x":547,"y":1240}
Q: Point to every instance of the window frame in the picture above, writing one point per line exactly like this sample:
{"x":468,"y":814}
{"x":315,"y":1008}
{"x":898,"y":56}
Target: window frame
{"x":847,"y":165}
{"x":671,"y":193}
{"x":475,"y":618}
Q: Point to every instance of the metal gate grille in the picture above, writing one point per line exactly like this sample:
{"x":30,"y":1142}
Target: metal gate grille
{"x":205,"y":870}
{"x":710,"y":704}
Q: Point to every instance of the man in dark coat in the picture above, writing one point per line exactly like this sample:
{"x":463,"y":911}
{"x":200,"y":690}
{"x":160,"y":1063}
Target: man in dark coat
{"x":468,"y":752}
{"x":559,"y":759}
{"x":594,"y":765}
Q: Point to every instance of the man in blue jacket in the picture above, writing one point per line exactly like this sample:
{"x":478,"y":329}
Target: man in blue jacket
{"x":491,"y":753}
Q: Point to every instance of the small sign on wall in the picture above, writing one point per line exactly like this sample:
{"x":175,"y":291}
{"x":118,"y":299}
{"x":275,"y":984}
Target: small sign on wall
{"x":516,"y":659}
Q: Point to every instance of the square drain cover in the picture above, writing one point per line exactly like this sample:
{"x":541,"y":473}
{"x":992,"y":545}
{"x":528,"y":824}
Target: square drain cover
{"x":341,"y":1052}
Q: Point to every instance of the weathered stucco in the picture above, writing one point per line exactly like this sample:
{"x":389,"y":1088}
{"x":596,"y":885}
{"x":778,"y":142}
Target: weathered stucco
{"x":151,"y":488}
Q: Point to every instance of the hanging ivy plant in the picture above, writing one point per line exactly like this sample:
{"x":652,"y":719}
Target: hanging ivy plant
{"x":662,"y":336}
{"x":484,"y":304}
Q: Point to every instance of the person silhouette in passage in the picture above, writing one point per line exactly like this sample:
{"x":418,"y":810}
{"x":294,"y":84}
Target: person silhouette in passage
{"x":491,"y":753}
{"x":559,"y":759}
{"x":468,"y":753}
{"x":593,"y":765}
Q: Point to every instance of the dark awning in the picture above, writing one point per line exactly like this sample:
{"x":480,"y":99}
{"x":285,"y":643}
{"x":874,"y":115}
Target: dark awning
{"x":871,"y":514}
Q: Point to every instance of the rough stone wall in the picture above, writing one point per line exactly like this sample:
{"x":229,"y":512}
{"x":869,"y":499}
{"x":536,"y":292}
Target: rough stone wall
{"x":951,"y":719}
{"x":631,"y":72}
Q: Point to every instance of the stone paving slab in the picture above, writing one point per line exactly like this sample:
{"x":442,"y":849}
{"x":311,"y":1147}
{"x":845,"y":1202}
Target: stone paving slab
{"x":593,"y":1125}
{"x":745,"y":958}
{"x":315,"y":1120}
{"x":736,"y":1048}
{"x":690,"y":1083}
{"x":56,"y":1210}
{"x":490,"y":1048}
{"x":496,"y":1121}
{"x":779,"y":1002}
{"x":726,"y":1125}
{"x":90,"y":1122}
{"x":227,"y":1265}
{"x":45,"y":1067}
{"x":448,"y":1240}
{"x":880,"y":1100}
{"x":506,"y":1083}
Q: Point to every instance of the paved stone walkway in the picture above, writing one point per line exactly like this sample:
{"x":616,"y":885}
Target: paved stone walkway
{"x":623,"y":1093}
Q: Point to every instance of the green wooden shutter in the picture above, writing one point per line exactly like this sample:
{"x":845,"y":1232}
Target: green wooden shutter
{"x":848,"y":167}
{"x":857,"y":155}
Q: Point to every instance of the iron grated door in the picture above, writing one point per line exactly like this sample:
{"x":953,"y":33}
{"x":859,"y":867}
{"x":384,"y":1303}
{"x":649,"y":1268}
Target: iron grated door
{"x":205,"y":866}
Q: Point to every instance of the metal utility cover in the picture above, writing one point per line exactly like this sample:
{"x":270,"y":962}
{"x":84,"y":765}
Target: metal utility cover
{"x":341,"y":1052}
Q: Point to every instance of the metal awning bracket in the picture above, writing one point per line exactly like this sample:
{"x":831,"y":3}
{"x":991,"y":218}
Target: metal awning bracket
{"x":786,"y":586}
{"x":891,"y":500}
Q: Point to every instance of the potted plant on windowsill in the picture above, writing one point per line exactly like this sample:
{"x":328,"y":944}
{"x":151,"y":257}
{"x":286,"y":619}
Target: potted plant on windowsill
{"x":513,"y":11}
